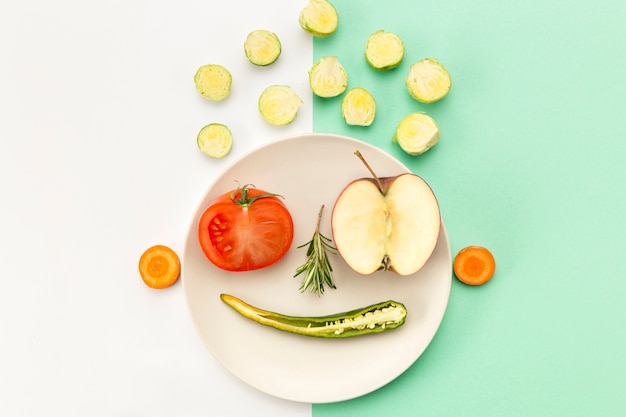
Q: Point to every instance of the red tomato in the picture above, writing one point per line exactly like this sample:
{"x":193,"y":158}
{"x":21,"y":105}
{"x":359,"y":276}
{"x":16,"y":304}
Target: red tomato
{"x":245,"y":229}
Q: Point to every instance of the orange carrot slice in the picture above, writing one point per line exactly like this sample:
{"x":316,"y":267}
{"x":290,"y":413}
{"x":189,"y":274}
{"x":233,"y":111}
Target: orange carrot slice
{"x":159,"y":267}
{"x":474,"y":265}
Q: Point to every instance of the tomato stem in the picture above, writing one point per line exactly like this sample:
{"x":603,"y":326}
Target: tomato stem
{"x":244,"y":199}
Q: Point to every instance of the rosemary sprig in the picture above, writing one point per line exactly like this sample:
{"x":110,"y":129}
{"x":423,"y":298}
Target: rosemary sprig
{"x":317,"y":269}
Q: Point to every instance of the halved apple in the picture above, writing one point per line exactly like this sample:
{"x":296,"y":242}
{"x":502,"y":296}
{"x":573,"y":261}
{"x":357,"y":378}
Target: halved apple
{"x":389,"y":223}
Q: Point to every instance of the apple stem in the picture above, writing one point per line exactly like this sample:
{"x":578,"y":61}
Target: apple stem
{"x":362,"y":158}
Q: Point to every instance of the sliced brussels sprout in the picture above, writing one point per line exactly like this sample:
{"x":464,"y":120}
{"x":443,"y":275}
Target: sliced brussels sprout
{"x":215,"y":140}
{"x":262,"y":47}
{"x":358,"y":107}
{"x":279,"y":104}
{"x":428,"y":81}
{"x":213,"y":82}
{"x":327,"y":77}
{"x":384,"y":50}
{"x":416,"y":133}
{"x":319,"y":18}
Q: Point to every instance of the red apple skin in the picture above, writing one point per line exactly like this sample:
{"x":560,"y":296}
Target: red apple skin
{"x":385,"y":184}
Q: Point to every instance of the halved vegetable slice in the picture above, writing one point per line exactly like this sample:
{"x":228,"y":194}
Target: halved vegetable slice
{"x":215,"y":140}
{"x":327,"y":77}
{"x":159,"y":267}
{"x":375,"y":318}
{"x":384,"y":50}
{"x":474,"y":265}
{"x":279,"y":104}
{"x":319,"y":18}
{"x":428,"y":81}
{"x":358,"y":107}
{"x":262,"y":47}
{"x":417,"y":133}
{"x":213,"y":82}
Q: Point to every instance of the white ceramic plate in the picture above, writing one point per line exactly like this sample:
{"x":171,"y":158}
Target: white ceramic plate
{"x":308,"y":171}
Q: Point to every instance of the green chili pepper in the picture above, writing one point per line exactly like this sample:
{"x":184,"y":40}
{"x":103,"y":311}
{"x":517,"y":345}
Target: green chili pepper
{"x":375,"y":318}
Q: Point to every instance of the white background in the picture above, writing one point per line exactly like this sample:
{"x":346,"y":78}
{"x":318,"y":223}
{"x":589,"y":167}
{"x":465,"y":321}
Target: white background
{"x":98,"y":161}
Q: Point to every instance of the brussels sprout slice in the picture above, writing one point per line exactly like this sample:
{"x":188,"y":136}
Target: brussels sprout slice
{"x":384,"y":50}
{"x":327,"y":77}
{"x":358,"y":107}
{"x":262,"y":47}
{"x":417,"y":133}
{"x":215,"y":140}
{"x":278,"y":105}
{"x":213,"y":82}
{"x":319,"y":18}
{"x":428,"y":81}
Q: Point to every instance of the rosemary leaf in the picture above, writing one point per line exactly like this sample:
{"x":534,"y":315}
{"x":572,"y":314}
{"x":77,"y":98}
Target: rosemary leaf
{"x":317,"y":269}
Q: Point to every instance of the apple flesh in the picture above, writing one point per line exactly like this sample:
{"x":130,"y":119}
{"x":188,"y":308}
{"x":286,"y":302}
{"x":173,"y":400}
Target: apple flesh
{"x":393,"y":227}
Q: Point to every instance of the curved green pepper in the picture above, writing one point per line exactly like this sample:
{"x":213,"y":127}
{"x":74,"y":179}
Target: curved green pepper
{"x":375,"y":318}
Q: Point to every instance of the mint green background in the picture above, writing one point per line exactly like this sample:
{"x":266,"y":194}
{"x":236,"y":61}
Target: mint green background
{"x":530,"y":164}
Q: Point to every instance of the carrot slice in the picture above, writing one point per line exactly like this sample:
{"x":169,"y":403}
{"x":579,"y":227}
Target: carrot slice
{"x":159,"y":267}
{"x":474,"y":265}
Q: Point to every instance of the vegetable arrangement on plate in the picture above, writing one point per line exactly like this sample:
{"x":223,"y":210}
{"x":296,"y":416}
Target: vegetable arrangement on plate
{"x":378,"y":224}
